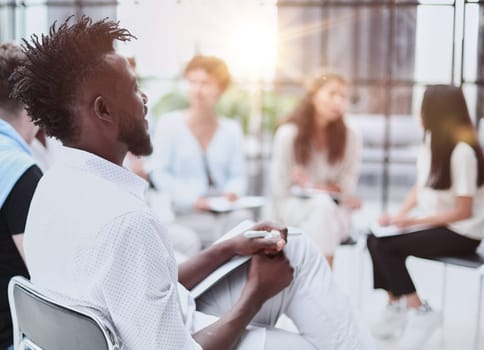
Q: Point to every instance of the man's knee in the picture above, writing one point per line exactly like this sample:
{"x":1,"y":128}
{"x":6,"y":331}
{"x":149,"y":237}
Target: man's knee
{"x":300,"y":249}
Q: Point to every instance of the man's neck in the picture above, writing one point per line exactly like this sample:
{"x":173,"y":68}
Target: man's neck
{"x":106,"y":153}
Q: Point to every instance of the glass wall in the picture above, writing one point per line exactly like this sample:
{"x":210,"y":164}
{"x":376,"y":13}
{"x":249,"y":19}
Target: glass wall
{"x":20,"y":19}
{"x":389,"y":50}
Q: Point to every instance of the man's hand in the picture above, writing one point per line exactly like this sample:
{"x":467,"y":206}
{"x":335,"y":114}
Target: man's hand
{"x":269,"y":226}
{"x":250,"y":246}
{"x":267,"y":276}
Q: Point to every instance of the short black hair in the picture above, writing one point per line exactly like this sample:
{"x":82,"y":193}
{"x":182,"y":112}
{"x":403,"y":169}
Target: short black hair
{"x":55,"y":67}
{"x":11,"y":57}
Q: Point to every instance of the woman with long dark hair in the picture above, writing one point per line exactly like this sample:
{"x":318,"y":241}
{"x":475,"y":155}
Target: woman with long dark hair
{"x":449,"y":200}
{"x":316,"y":163}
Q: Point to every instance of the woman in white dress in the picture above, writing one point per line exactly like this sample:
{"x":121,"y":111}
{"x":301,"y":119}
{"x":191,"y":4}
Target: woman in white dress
{"x":315,"y":165}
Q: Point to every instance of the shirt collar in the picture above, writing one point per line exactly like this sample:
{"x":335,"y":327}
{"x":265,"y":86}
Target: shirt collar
{"x":89,"y":162}
{"x":13,"y":140}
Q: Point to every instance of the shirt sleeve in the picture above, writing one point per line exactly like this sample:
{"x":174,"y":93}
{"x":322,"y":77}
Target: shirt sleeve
{"x":140,"y":285}
{"x":161,"y":163}
{"x":463,"y":169}
{"x":17,"y":204}
{"x":237,"y":176}
{"x":351,"y":169}
{"x":283,"y":161}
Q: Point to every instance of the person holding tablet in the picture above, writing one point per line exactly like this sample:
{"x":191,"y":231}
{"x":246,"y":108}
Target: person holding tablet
{"x":449,"y":198}
{"x":317,"y":154}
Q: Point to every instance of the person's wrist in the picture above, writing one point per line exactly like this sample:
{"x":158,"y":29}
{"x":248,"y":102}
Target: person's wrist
{"x":252,"y":297}
{"x":227,"y":248}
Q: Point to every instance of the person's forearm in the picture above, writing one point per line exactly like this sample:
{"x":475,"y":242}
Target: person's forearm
{"x":444,"y":218}
{"x":192,"y":271}
{"x":225,"y":333}
{"x":409,"y":203}
{"x":329,"y":187}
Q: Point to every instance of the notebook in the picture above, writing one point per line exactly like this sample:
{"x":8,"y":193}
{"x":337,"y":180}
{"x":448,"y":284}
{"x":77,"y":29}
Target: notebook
{"x":392,"y":230}
{"x":221,"y":204}
{"x":233,"y":263}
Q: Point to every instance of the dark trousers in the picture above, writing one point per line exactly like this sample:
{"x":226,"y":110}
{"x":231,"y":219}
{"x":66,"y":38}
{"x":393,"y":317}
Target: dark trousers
{"x":388,"y":255}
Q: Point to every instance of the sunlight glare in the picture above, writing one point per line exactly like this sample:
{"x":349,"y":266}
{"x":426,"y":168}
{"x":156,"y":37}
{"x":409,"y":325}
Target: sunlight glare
{"x":253,"y":49}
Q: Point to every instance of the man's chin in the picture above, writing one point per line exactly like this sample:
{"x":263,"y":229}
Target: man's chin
{"x":142,"y":149}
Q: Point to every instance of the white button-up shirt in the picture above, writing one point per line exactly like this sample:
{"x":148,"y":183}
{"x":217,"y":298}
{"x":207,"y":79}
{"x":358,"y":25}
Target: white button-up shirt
{"x":91,"y":241}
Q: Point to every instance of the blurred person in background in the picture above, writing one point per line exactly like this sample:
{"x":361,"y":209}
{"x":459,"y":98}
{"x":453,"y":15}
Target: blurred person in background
{"x":198,"y":154}
{"x":18,"y":179}
{"x":315,"y":165}
{"x":448,"y":199}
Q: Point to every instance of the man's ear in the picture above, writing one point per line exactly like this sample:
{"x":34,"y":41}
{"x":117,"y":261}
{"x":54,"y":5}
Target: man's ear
{"x":101,"y":109}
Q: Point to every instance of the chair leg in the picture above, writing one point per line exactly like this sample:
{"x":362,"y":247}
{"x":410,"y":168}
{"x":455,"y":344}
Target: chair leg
{"x":478,"y":317}
{"x":444,"y":294}
{"x":361,"y":250}
{"x":442,"y":302}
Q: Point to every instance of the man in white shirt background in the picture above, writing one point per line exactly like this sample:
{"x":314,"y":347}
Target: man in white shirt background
{"x":91,"y":241}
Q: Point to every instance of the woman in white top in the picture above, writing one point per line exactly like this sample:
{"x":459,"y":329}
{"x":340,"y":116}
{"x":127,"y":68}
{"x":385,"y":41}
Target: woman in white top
{"x":449,"y":196}
{"x":198,"y":154}
{"x":315,"y":165}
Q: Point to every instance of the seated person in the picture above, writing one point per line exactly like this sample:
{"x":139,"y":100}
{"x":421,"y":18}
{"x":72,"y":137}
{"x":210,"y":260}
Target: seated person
{"x":198,"y":154}
{"x":18,"y":178}
{"x":317,"y":152}
{"x":114,"y":257}
{"x":449,"y":198}
{"x":185,"y":241}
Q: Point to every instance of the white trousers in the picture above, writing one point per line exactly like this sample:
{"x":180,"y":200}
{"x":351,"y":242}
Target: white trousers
{"x":321,"y":313}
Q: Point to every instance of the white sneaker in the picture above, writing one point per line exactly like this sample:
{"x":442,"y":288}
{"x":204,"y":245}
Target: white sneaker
{"x":392,"y":320}
{"x":421,"y":324}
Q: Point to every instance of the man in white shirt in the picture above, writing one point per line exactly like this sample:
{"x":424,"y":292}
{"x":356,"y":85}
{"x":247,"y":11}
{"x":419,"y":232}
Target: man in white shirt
{"x":111,"y":254}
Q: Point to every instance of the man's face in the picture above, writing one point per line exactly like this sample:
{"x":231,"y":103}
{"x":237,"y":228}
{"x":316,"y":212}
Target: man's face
{"x":130,"y":107}
{"x":203,"y":89}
